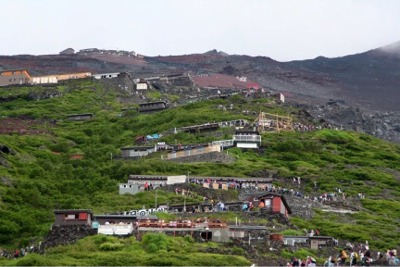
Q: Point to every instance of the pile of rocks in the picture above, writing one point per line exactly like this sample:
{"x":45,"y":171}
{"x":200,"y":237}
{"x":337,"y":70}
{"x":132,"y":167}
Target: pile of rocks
{"x":66,"y":234}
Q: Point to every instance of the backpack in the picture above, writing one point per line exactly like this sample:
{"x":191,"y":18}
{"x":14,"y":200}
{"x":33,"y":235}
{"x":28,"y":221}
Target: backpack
{"x":344,"y":255}
{"x":355,"y":255}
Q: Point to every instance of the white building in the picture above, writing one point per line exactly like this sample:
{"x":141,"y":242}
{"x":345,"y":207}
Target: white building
{"x":106,"y":75}
{"x":141,"y":86}
{"x":44,"y":80}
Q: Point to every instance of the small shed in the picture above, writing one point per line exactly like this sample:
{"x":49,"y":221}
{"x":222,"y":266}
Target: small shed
{"x":135,"y":152}
{"x":129,"y":188}
{"x":80,"y":117}
{"x":152,"y":106}
{"x":291,"y":240}
{"x":317,"y":241}
{"x":274,"y":202}
{"x":280,"y":97}
{"x":68,"y":51}
{"x":141,"y":85}
{"x":100,"y":76}
{"x":73,"y":217}
{"x":247,"y":139}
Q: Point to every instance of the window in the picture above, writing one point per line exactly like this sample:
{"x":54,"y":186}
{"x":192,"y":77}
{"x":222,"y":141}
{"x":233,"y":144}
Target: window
{"x":71,"y":216}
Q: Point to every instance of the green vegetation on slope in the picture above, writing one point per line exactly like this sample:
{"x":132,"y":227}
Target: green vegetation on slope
{"x":152,"y":250}
{"x":40,"y":175}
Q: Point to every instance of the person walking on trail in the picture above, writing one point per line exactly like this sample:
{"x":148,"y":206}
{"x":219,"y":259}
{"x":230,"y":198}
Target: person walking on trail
{"x":353,"y":258}
{"x":343,"y":257}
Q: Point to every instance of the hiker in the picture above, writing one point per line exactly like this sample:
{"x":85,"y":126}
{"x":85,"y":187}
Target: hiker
{"x":245,"y":207}
{"x":295,"y":262}
{"x":330,"y":262}
{"x":353,"y":258}
{"x":311,"y":233}
{"x":343,"y":257}
{"x":16,"y":253}
{"x":311,"y":262}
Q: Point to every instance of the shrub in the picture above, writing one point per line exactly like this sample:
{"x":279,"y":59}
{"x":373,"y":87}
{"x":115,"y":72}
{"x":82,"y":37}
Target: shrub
{"x":189,"y":239}
{"x":35,"y":260}
{"x":154,"y":242}
{"x":108,"y":246}
{"x":288,"y":146}
{"x":292,"y":232}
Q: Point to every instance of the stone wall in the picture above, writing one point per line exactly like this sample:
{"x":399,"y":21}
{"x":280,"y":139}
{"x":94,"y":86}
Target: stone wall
{"x":208,"y":157}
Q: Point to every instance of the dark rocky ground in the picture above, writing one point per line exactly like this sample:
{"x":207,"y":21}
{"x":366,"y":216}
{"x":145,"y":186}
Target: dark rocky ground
{"x":384,"y":125}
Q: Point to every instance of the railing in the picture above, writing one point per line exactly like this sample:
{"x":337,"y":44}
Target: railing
{"x":116,"y":229}
{"x":247,"y":138}
{"x":223,"y":143}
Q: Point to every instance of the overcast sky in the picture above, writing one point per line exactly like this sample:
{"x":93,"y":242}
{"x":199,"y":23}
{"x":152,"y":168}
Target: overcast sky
{"x":283,"y":29}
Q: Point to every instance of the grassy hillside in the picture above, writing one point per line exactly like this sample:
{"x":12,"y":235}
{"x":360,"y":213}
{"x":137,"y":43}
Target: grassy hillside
{"x":152,"y":250}
{"x":39,"y":174}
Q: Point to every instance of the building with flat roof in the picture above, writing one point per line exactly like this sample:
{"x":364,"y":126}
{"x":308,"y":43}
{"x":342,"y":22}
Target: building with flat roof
{"x":73,"y":217}
{"x":14,"y":77}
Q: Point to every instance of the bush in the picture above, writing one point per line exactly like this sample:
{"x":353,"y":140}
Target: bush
{"x":111,"y":246}
{"x":294,"y":146}
{"x":292,"y":232}
{"x":154,"y":242}
{"x":189,"y":239}
{"x":35,"y":260}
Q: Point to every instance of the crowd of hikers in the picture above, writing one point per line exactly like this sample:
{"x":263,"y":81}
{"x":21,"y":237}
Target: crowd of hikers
{"x":352,"y":255}
{"x":17,"y":253}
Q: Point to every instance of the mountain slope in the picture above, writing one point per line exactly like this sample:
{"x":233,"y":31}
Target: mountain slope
{"x":40,"y":172}
{"x":368,"y":80}
{"x":372,"y":78}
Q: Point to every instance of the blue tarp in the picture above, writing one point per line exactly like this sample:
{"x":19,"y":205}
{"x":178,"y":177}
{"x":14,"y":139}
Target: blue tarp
{"x":152,"y":137}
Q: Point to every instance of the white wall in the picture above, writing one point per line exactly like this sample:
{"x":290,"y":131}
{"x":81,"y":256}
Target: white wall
{"x":44,"y":79}
{"x":141,"y":86}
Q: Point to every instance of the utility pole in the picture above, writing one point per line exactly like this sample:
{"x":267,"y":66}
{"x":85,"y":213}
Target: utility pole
{"x":155,"y":201}
{"x":184,"y":202}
